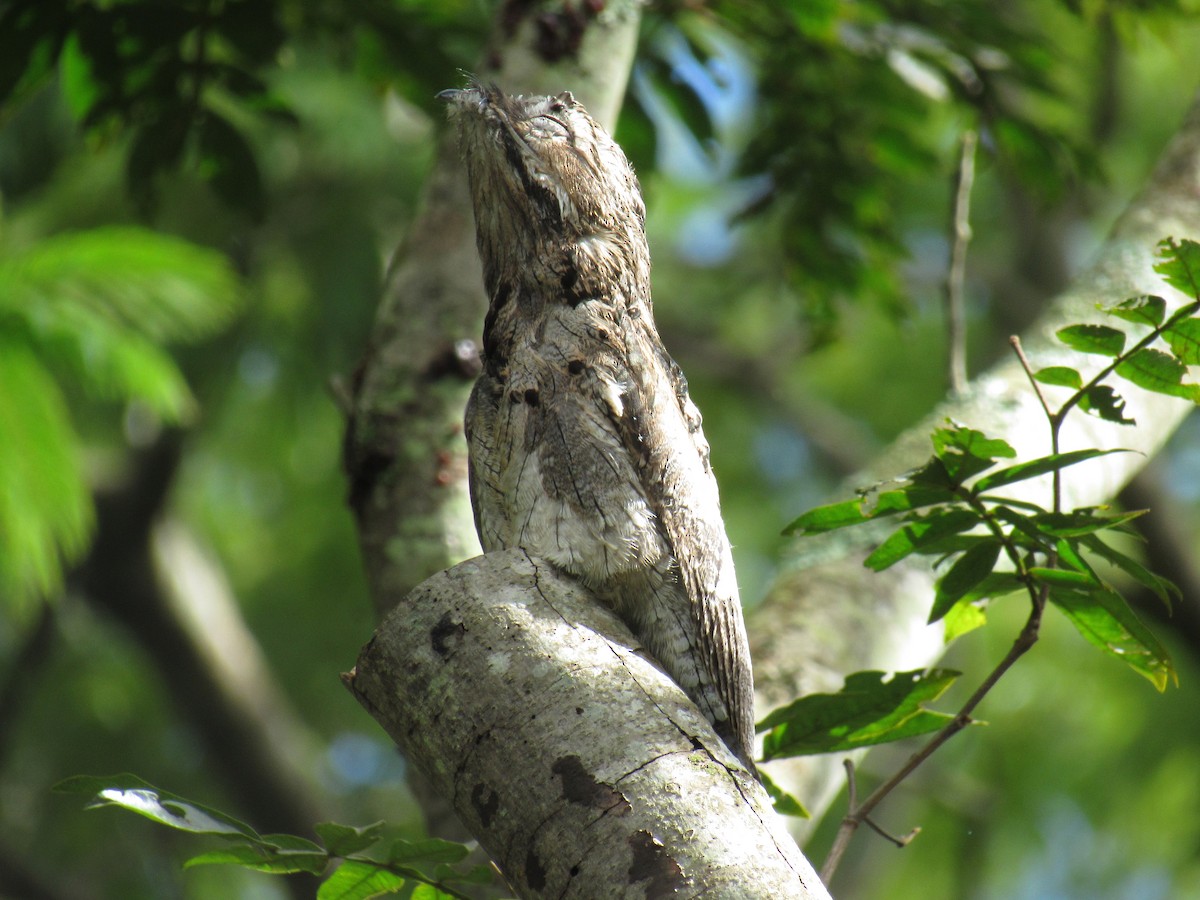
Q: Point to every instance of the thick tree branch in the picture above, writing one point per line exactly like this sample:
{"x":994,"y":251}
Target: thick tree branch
{"x":803,"y":642}
{"x":157,"y":585}
{"x":500,"y":677}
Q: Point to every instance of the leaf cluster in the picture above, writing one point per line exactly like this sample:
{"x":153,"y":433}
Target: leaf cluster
{"x":371,"y":863}
{"x":988,"y":545}
{"x":851,"y":94}
{"x":87,"y":313}
{"x":164,"y":72}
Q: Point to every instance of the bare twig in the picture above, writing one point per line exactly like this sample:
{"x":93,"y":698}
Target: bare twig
{"x":1025,"y":639}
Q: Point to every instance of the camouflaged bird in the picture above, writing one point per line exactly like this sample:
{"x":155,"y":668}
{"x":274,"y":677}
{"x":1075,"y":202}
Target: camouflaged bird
{"x":584,"y":446}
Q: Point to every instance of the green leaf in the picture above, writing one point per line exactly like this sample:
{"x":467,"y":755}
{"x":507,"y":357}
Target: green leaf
{"x":1036,"y":467}
{"x":359,"y":880}
{"x":428,"y":850}
{"x":783,"y":802}
{"x":1162,"y":588}
{"x":1159,"y":372}
{"x":966,"y":452}
{"x":1102,"y":401}
{"x":1106,"y":621}
{"x":966,"y":573}
{"x":346,"y":840}
{"x":1183,"y":338}
{"x":855,"y":512}
{"x":961,"y":618}
{"x":920,"y":532}
{"x":135,"y":795}
{"x":1065,"y":578}
{"x":228,"y":164}
{"x":263,"y":859}
{"x":160,"y":287}
{"x":1062,"y":376}
{"x":872,"y":708}
{"x":1145,"y":310}
{"x":1180,"y":266}
{"x":1082,"y":521}
{"x":1098,"y":339}
{"x":990,"y":587}
{"x":46,"y":515}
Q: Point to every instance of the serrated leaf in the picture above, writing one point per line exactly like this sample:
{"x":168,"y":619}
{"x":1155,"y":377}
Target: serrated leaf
{"x":345,"y":840}
{"x":1184,"y":340}
{"x":1036,"y":467}
{"x":263,"y":859}
{"x":135,"y":795}
{"x":1162,"y":588}
{"x":357,"y":880}
{"x":783,"y":802}
{"x":967,"y":572}
{"x":1159,"y":372}
{"x":1145,"y":310}
{"x":920,"y":532}
{"x":1106,"y":621}
{"x":1098,"y":339}
{"x":872,"y":708}
{"x":961,"y":618}
{"x":1102,"y":401}
{"x":1063,"y":376}
{"x":1180,"y":266}
{"x":427,"y":850}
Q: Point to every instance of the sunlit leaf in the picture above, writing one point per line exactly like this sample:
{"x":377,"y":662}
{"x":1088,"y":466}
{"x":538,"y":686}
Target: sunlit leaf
{"x":967,"y":452}
{"x":961,"y":618}
{"x":46,"y":514}
{"x":783,"y":802}
{"x":1180,"y":266}
{"x":358,"y":880}
{"x":1107,"y":622}
{"x":1036,"y":467}
{"x":872,"y":506}
{"x":1098,"y":339}
{"x":1159,"y":372}
{"x":263,"y":859}
{"x":921,"y":532}
{"x":344,"y":840}
{"x":1063,"y":376}
{"x":1145,"y":310}
{"x":992,"y":586}
{"x":135,"y":795}
{"x":871,"y":708}
{"x":1184,"y":340}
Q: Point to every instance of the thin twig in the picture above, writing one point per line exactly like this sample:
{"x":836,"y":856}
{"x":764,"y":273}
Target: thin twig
{"x":960,"y":228}
{"x":1025,"y":639}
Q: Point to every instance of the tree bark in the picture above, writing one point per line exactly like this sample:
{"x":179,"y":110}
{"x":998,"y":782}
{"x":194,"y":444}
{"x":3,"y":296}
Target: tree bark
{"x":499,"y":678}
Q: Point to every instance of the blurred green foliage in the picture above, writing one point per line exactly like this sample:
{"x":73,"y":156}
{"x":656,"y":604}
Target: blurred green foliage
{"x":149,"y":151}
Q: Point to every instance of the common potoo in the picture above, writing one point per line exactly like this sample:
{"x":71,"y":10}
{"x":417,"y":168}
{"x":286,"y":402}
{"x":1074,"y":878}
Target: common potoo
{"x":585,"y":448}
